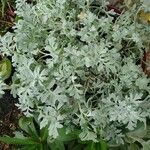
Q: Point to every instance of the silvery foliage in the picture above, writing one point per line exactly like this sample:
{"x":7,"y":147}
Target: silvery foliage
{"x":76,"y":66}
{"x":146,"y":5}
{"x":3,"y":86}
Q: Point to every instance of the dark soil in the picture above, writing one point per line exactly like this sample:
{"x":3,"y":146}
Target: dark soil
{"x":7,"y":19}
{"x":9,"y":115}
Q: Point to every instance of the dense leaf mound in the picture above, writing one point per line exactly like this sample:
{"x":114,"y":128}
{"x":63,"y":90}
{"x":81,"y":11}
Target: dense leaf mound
{"x":78,"y":65}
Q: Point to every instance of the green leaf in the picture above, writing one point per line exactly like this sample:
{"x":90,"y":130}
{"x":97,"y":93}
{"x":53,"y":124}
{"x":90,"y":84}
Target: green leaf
{"x":67,"y":137}
{"x":27,"y":125}
{"x":103,"y":145}
{"x":91,"y":146}
{"x":5,"y":68}
{"x":45,"y":146}
{"x":41,"y":147}
{"x":30,"y":147}
{"x":77,"y":147}
{"x":44,"y":133}
{"x":148,"y":132}
{"x":19,"y":135}
{"x":17,"y":141}
{"x":33,"y":132}
{"x":24,"y":122}
{"x":57,"y":145}
{"x":97,"y":146}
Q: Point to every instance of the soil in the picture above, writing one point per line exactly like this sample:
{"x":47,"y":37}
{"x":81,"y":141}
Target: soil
{"x":9,"y":115}
{"x":8,"y":18}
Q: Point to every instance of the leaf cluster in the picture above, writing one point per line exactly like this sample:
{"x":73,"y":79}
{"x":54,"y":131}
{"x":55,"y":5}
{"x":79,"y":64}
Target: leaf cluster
{"x":77,"y":65}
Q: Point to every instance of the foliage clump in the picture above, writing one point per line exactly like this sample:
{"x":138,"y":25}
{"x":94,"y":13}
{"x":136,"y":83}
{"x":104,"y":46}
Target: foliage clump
{"x":77,"y":64}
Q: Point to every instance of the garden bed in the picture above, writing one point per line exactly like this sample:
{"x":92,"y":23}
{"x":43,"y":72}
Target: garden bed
{"x":81,"y":77}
